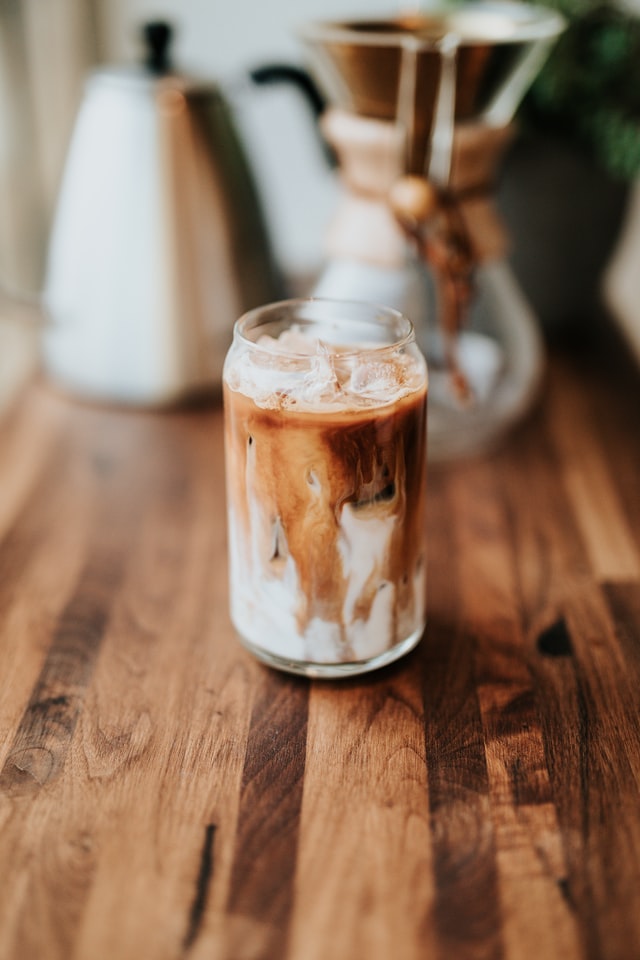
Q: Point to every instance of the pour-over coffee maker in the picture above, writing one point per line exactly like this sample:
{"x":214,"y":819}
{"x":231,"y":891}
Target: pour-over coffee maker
{"x":421,"y":114}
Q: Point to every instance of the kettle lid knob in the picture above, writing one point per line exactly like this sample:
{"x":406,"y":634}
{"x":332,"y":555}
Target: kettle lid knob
{"x":157,"y":35}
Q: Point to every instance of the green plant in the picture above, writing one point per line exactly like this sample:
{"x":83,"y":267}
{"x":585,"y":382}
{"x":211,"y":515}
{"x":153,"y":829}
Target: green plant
{"x":589,"y":88}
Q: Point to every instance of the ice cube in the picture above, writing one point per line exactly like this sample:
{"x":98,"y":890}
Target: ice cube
{"x":373,"y":379}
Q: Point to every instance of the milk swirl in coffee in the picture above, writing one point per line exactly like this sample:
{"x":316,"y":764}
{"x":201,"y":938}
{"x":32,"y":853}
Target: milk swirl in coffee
{"x":325,"y":444}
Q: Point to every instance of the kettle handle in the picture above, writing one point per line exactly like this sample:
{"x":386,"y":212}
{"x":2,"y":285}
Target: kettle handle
{"x":289,"y":73}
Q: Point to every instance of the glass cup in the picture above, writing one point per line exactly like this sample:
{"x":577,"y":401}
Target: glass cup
{"x":325,"y":441}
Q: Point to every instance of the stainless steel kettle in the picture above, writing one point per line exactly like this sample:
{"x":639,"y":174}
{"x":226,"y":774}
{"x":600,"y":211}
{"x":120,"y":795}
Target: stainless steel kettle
{"x":158,"y":243}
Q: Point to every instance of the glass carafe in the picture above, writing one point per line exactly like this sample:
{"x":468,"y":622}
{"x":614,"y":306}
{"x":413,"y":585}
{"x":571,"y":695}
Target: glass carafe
{"x":421,"y":115}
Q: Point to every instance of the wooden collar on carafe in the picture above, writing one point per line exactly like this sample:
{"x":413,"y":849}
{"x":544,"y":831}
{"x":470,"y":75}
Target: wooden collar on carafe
{"x":476,"y":156}
{"x":371,"y":157}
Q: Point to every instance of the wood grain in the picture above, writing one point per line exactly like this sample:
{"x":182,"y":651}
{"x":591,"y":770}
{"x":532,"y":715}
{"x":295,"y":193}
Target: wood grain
{"x":163,"y":795}
{"x":364,"y":884}
{"x":467,"y":914}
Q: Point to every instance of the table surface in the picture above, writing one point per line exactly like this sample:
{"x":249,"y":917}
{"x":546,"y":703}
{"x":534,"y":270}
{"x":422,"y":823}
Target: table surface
{"x":163,"y":795}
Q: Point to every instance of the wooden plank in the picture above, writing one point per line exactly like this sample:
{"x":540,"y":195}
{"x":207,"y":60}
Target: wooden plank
{"x":261,"y":889}
{"x":30,"y":568}
{"x":607,"y":381}
{"x":466,"y":911}
{"x":22,"y":464}
{"x":530,"y":859}
{"x":364,"y":884}
{"x":586,"y":473}
{"x":623,"y":602}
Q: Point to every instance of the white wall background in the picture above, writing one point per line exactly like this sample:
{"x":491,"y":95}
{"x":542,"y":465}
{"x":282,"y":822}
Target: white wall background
{"x":220,"y":37}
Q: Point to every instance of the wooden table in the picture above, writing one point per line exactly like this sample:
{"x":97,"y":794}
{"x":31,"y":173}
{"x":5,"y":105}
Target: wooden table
{"x":162,"y":795}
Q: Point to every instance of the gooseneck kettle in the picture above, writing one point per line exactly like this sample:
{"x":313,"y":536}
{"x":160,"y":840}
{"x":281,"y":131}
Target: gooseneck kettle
{"x":158,"y":243}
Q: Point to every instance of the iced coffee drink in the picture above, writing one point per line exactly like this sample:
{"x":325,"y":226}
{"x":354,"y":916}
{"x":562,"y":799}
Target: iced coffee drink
{"x":325,"y":436}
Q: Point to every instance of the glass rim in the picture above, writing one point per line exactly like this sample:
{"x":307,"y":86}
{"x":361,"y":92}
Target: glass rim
{"x":536,"y":22}
{"x":377,"y":311}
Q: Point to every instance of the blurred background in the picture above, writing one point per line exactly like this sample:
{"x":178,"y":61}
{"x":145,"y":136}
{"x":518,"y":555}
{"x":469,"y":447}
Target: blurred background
{"x":47,"y":50}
